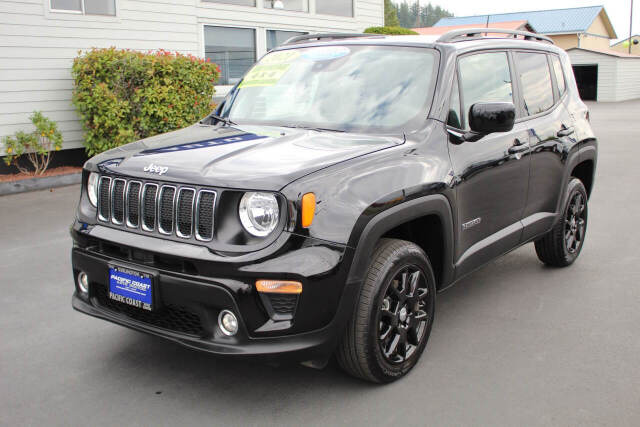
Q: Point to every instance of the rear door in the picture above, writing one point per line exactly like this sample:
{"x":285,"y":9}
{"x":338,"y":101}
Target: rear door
{"x":550,"y":128}
{"x":491,"y":174}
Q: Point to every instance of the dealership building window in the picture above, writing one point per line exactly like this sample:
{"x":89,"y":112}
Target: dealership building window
{"x":275,"y":37}
{"x":233,"y":49}
{"x":335,"y":7}
{"x":87,"y":7}
{"x":297,"y":5}
{"x":236,"y":2}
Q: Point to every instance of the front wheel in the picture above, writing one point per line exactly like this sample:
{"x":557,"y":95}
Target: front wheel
{"x":561,"y":246}
{"x":392,"y":321}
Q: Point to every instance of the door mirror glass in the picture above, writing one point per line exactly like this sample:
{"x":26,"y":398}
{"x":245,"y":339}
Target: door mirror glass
{"x":490,"y":117}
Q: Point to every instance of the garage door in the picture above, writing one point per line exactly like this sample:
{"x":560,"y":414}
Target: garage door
{"x":587,"y":80}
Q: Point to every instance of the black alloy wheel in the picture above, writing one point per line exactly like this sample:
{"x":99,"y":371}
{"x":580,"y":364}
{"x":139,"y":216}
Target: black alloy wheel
{"x":404,"y":315}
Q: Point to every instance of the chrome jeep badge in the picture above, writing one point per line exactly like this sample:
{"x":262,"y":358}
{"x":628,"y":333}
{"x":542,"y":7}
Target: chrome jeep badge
{"x":160,"y":170}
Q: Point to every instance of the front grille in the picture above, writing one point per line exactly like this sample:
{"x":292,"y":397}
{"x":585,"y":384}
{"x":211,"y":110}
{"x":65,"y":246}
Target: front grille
{"x":171,"y":317}
{"x":184,"y":212}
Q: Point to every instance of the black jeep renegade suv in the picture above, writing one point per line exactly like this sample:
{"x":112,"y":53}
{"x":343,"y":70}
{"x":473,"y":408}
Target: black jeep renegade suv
{"x":339,"y":186}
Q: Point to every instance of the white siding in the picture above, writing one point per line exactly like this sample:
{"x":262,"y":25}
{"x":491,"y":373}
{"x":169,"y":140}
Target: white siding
{"x":617,"y":76}
{"x":628,"y":78}
{"x":37,"y":46}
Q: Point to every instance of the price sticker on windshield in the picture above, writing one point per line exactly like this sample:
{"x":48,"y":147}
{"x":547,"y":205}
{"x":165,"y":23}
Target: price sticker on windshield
{"x":270,"y":70}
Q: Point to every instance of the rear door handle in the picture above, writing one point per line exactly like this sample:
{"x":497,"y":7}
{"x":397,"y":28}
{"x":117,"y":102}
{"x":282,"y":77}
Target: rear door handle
{"x":515,"y":149}
{"x":565,"y":131}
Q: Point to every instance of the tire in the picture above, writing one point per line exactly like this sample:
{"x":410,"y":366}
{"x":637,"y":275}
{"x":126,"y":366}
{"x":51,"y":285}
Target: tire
{"x":392,"y":321}
{"x":562,"y":244}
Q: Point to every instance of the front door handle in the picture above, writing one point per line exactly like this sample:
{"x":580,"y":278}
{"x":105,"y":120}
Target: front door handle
{"x":565,"y":131}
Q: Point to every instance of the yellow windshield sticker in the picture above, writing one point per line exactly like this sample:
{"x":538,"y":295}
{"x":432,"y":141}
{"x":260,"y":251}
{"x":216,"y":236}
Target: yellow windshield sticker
{"x":270,"y":70}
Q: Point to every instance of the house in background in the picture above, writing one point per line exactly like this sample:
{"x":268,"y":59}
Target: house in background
{"x":623,"y":45}
{"x":40,"y":38}
{"x":602,"y":73}
{"x":585,"y":27}
{"x":506,"y":25}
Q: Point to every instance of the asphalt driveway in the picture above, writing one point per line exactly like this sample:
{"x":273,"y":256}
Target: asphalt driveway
{"x":516,"y":343}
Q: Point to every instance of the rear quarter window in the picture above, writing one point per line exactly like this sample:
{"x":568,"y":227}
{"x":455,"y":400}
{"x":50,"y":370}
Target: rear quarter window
{"x":557,"y":69}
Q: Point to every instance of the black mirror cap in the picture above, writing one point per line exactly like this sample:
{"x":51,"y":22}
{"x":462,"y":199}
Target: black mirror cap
{"x":490,"y":117}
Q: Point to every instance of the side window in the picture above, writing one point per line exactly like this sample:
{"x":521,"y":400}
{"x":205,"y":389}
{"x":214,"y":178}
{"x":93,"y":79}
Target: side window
{"x":557,"y":68}
{"x":535,"y":79}
{"x":454,"y":118}
{"x":484,"y":77}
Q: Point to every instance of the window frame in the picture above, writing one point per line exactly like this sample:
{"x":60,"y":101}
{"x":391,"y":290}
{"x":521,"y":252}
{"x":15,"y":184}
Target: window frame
{"x":514,"y":86}
{"x":82,"y":12}
{"x":256,"y":39}
{"x":266,"y":37}
{"x":556,"y":98}
{"x":307,"y":12}
{"x":353,"y":11}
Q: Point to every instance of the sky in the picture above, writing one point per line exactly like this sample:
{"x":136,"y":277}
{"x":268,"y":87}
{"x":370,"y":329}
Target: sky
{"x":618,"y":10}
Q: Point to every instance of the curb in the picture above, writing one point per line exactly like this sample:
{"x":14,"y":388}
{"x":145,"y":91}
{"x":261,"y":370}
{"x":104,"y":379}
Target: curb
{"x":33,"y":184}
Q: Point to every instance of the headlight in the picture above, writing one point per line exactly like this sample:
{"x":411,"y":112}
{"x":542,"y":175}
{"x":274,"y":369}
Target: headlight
{"x":259,"y":213}
{"x":92,"y":188}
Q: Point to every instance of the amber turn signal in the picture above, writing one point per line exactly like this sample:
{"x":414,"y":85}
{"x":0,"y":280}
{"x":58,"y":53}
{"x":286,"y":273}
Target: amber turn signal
{"x":308,"y":209}
{"x":279,"y":286}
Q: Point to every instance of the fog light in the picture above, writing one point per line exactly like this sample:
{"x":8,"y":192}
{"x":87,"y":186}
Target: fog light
{"x":83,"y":282}
{"x":228,"y":322}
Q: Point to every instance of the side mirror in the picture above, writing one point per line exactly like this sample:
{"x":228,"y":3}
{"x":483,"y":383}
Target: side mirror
{"x":491,"y":117}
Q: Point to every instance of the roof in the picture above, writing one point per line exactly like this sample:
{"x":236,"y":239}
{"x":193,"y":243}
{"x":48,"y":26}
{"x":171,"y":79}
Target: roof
{"x":573,"y":20}
{"x":507,"y":25}
{"x":609,"y":52}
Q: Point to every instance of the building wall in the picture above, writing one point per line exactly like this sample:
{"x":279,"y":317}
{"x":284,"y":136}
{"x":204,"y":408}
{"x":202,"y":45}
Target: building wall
{"x":627,"y":76}
{"x":37,"y":46}
{"x":565,"y":41}
{"x":588,"y":41}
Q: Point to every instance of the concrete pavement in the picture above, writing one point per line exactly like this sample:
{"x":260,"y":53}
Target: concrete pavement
{"x":516,"y":343}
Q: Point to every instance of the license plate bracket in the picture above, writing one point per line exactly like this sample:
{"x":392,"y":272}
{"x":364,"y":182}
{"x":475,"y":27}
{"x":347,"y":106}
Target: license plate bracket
{"x":132,"y":287}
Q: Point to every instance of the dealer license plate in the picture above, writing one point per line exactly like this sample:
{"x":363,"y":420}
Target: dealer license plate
{"x":131,"y":287}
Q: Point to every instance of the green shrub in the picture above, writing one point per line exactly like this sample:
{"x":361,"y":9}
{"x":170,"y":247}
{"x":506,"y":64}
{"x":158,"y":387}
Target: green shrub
{"x":36,"y":146}
{"x":123,"y":95}
{"x":390,"y":31}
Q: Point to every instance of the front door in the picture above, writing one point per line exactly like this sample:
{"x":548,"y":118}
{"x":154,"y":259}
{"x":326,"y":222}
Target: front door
{"x":491,"y":174}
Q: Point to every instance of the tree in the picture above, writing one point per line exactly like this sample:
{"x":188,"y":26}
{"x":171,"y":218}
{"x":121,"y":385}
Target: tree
{"x":390,"y":14}
{"x":412,"y":15}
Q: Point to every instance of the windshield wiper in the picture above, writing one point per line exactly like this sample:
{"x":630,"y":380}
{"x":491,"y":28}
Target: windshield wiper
{"x":224,"y":120}
{"x":317,"y":129}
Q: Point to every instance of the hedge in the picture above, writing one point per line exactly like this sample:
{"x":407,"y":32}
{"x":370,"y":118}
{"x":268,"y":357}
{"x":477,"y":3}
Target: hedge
{"x":124,"y":95}
{"x":390,"y":31}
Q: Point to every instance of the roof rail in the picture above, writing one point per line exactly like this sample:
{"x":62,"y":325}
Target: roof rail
{"x":467,"y":33}
{"x":325,"y":36}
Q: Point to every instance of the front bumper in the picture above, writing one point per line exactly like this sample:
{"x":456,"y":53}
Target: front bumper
{"x":190,"y":293}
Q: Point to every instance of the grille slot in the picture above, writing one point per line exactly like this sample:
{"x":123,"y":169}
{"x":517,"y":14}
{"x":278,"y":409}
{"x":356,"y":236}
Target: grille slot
{"x":104,"y":190}
{"x":172,"y":317}
{"x":283,"y":303}
{"x":133,"y":204}
{"x":184,"y":212}
{"x":171,"y":210}
{"x":149,"y":207}
{"x":117,"y":201}
{"x":204,"y":216}
{"x":166,"y":201}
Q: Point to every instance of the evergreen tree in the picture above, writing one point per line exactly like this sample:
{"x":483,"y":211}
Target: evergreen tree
{"x":412,"y":15}
{"x":390,"y":14}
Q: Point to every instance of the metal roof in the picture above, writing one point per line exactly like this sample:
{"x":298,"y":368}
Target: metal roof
{"x":574,"y":20}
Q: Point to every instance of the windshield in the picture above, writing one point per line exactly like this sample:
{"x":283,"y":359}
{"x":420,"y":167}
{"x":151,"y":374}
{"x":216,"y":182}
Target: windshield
{"x":348,"y":88}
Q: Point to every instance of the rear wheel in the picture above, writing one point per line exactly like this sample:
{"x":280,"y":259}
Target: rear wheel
{"x":392,"y":321}
{"x":561,"y":246}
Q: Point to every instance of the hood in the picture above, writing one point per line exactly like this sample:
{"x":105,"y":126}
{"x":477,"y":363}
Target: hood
{"x":246,"y":157}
